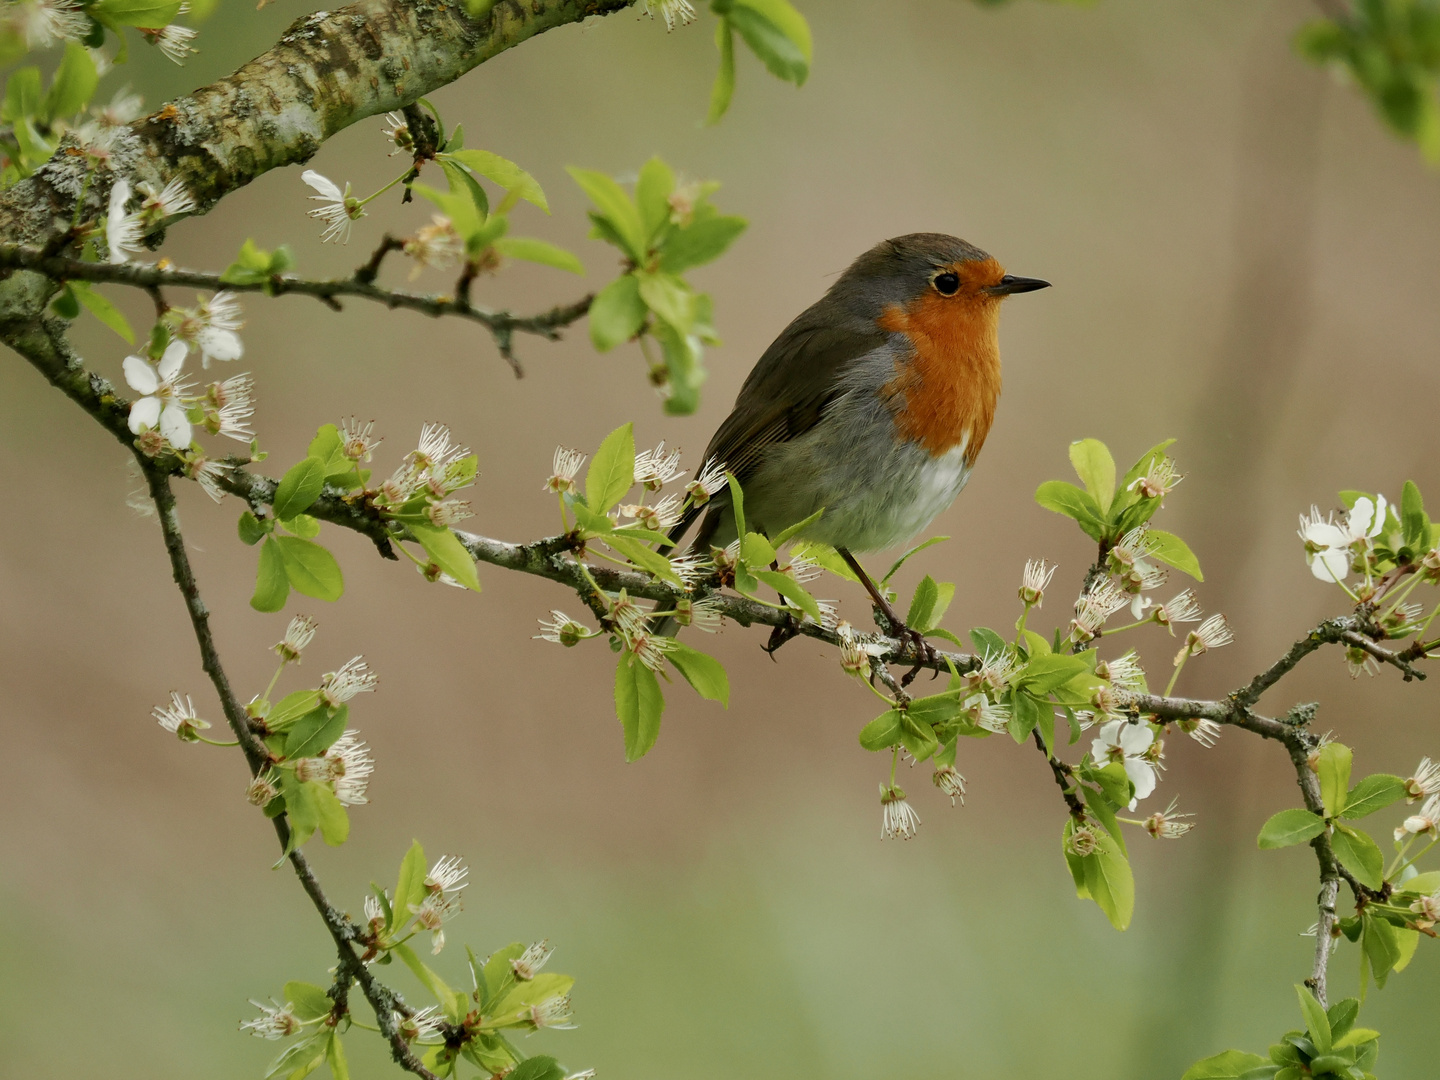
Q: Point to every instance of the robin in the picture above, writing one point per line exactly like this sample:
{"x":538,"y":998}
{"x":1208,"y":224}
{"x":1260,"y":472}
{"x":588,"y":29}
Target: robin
{"x":872,"y":405}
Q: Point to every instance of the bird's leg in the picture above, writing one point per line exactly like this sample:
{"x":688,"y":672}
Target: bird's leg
{"x":924,"y":651}
{"x":779,"y":635}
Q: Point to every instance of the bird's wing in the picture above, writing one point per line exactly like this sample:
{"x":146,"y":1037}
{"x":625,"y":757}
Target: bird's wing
{"x":786,"y":394}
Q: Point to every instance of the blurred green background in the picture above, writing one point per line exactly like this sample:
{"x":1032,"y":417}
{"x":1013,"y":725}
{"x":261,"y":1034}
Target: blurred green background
{"x":1242,"y":257}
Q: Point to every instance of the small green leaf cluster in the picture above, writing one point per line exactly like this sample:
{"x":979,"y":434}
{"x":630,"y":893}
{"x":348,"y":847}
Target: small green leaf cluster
{"x":256,"y":266}
{"x":775,"y":32}
{"x":644,"y":649}
{"x":1107,"y":512}
{"x":1330,"y":1045}
{"x":417,"y":497}
{"x":1391,"y":48}
{"x":482,"y":232}
{"x":509,"y":992}
{"x":1398,"y":902}
{"x":665,"y":229}
{"x":1394,"y":548}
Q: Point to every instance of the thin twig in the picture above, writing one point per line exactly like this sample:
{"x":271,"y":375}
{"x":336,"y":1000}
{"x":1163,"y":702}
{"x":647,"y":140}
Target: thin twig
{"x":1384,"y":655}
{"x":381,"y":998}
{"x":546,"y":324}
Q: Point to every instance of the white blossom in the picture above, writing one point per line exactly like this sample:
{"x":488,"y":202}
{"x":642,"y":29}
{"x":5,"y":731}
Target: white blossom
{"x":298,"y":635}
{"x":1094,"y":607}
{"x":1159,"y":480}
{"x":354,"y":677}
{"x":174,"y":199}
{"x":263,"y":787}
{"x":1167,"y":824}
{"x":1213,"y":633}
{"x":208,"y":473}
{"x":565,"y":467}
{"x":563,"y":630}
{"x":1426,"y":821}
{"x":45,"y":22}
{"x":173,"y":41}
{"x":179,"y":717}
{"x":433,"y":913}
{"x":274,"y":1022}
{"x":948,"y":779}
{"x":1129,"y":744}
{"x":124,"y":106}
{"x":1424,"y":782}
{"x":337,"y":210}
{"x":123,"y":231}
{"x":551,"y":1013}
{"x":448,"y":874}
{"x":655,"y":468}
{"x":1204,"y":732}
{"x":422,"y":1024}
{"x":438,"y":245}
{"x":1181,"y":608}
{"x":707,"y":482}
{"x":1035,"y":580}
{"x":350,"y":768}
{"x":356,"y":441}
{"x":531,"y":960}
{"x":672,"y":11}
{"x":209,"y":328}
{"x":161,"y":407}
{"x":898,"y":819}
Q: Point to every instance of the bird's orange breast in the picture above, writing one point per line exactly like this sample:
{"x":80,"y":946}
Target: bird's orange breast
{"x":944,"y":394}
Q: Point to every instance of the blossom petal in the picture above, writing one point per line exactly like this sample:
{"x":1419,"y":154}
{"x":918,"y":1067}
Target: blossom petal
{"x":323,"y":184}
{"x":119,"y":196}
{"x":140,"y":375}
{"x":144,"y":413}
{"x":1330,"y":565}
{"x":1135,"y":739}
{"x":217,"y":344}
{"x":175,"y":425}
{"x":1360,"y":517}
{"x":1142,"y":775}
{"x":1326,"y":535}
{"x":173,"y":360}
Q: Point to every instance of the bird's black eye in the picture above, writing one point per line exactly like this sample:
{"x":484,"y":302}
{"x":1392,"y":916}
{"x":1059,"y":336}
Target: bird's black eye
{"x":947,"y":284}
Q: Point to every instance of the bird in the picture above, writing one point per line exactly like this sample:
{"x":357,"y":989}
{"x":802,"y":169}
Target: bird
{"x":871,"y":406}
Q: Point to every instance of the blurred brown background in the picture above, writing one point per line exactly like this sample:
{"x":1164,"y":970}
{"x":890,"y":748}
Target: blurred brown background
{"x":1243,"y":258}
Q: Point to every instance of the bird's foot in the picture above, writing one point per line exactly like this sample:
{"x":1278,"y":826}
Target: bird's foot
{"x":779,"y":635}
{"x":925,"y":654}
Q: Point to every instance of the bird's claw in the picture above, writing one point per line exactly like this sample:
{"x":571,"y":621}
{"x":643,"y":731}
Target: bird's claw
{"x":925,"y":653}
{"x":779,"y":635}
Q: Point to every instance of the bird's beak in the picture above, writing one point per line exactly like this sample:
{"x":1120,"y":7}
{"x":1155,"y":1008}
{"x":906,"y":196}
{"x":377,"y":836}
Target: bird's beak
{"x":1011,"y":284}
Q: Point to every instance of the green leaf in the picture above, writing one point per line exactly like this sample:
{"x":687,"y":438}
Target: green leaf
{"x":1114,"y":783}
{"x":652,"y":196}
{"x":737,"y":502}
{"x":1290,"y":827}
{"x":1373,"y":793}
{"x":638,"y":704}
{"x":73,"y":85}
{"x":798,"y":528}
{"x":724,"y":89}
{"x":103,"y":310}
{"x":895,"y":567}
{"x":1359,"y":854}
{"x":922,"y":604}
{"x":1110,"y":882}
{"x":310,"y":1001}
{"x":756,"y":550}
{"x":1230,"y":1065}
{"x":702,"y":671}
{"x":669,"y":298}
{"x":466,"y":186}
{"x":1067,"y":499}
{"x":792,"y":590}
{"x":299,"y":487}
{"x":303,"y":526}
{"x":1414,"y":524}
{"x":22,"y":95}
{"x":250,"y":529}
{"x":300,"y":808}
{"x":1342,"y":1018}
{"x":410,"y":886}
{"x":310,"y":568}
{"x":644,"y":557}
{"x":1099,"y":805}
{"x":539,"y":1067}
{"x":612,"y":470}
{"x":1171,"y":550}
{"x":539,"y":251}
{"x":776,"y":33}
{"x":1073,"y":861}
{"x":616,"y":208}
{"x":431,"y":981}
{"x":1380,"y":946}
{"x":1316,"y":1022}
{"x":272,"y":585}
{"x":505,"y":173}
{"x":1334,"y":769}
{"x":335,"y":1058}
{"x":703,"y":241}
{"x":315,"y":732}
{"x":290,"y":708}
{"x":1096,"y":469}
{"x":151,"y":14}
{"x":1024,"y":717}
{"x":328,"y":447}
{"x":447,"y":552}
{"x":1044,"y":673}
{"x":333,"y":819}
{"x":918,"y":739}
{"x":883,"y":732}
{"x":987,"y":642}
